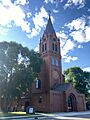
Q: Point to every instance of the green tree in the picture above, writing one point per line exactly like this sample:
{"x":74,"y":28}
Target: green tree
{"x":18,"y":68}
{"x":79,"y":78}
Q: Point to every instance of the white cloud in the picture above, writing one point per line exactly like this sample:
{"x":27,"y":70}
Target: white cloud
{"x":3,"y":31}
{"x":39,"y":17}
{"x":68,"y":3}
{"x":35,"y":32}
{"x":46,"y":1}
{"x":61,"y":35}
{"x":77,"y":24}
{"x":81,"y":36}
{"x":4,"y":16}
{"x":12,"y":14}
{"x":80,"y":29}
{"x":80,"y":3}
{"x":37,"y":48}
{"x":69,"y":59}
{"x":86,"y":69}
{"x":78,"y":36}
{"x":51,"y":1}
{"x":69,"y":45}
{"x":80,"y":46}
{"x":39,"y":21}
{"x":55,"y":11}
{"x":6,"y":3}
{"x":29,"y":14}
{"x":21,"y":2}
{"x":63,"y":38}
{"x":17,"y":15}
{"x":87,"y":31}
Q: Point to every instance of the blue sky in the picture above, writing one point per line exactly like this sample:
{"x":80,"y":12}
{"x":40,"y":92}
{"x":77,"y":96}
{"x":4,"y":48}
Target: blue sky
{"x":24,"y":21}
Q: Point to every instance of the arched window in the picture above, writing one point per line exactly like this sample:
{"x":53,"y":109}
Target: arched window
{"x":45,"y":46}
{"x":56,"y":48}
{"x":57,"y":63}
{"x":52,"y":60}
{"x":52,"y":46}
{"x":38,"y":84}
{"x":42,"y":48}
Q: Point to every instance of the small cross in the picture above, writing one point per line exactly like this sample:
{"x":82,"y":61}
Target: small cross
{"x":49,"y":13}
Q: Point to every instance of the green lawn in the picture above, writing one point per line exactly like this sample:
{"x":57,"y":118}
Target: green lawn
{"x":13,"y":114}
{"x":9,"y":114}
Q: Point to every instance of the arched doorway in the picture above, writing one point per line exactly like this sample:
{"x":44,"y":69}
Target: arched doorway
{"x":72,"y":103}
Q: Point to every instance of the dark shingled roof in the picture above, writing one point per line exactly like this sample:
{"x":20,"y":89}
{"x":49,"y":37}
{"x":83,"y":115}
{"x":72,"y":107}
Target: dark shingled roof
{"x":49,"y":27}
{"x":61,"y":87}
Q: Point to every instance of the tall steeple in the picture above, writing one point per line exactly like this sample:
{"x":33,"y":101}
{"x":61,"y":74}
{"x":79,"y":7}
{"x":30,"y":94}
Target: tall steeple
{"x":49,"y":48}
{"x":49,"y":27}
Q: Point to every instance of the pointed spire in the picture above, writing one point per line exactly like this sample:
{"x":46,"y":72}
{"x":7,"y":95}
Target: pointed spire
{"x":49,"y":27}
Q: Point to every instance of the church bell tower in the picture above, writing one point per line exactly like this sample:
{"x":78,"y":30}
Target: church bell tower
{"x":49,"y":49}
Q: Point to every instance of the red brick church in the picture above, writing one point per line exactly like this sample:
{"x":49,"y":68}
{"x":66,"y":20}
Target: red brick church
{"x":49,"y":92}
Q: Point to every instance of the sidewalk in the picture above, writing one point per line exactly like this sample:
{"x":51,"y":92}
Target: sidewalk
{"x":73,"y":113}
{"x":66,"y":113}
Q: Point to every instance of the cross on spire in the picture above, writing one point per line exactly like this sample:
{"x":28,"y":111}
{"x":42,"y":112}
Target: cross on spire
{"x":49,"y":13}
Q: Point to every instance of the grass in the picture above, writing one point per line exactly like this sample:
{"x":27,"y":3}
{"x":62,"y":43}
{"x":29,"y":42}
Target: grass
{"x":14,"y":114}
{"x":9,"y":114}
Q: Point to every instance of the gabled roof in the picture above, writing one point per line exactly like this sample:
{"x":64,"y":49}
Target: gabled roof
{"x":49,"y":27}
{"x":61,"y":87}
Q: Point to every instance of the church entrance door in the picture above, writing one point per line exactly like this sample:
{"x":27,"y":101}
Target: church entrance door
{"x":72,"y":103}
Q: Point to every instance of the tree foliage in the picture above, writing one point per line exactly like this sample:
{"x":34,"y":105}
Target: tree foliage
{"x":18,"y":68}
{"x":79,"y":78}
